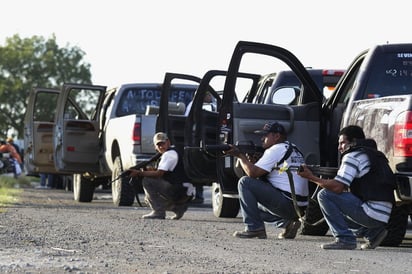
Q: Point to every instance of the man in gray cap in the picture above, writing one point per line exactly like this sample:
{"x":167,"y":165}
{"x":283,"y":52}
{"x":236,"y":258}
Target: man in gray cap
{"x":166,"y":187}
{"x":265,"y":193}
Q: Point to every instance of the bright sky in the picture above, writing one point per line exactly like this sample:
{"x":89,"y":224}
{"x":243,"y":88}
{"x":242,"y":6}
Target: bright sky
{"x":138,"y":41}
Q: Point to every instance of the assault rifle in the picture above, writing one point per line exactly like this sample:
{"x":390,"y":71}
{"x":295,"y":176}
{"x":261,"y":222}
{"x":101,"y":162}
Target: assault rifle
{"x":126,"y":173}
{"x":140,"y":165}
{"x":321,"y":171}
{"x":242,"y":147}
{"x":326,"y":172}
{"x":245,"y":147}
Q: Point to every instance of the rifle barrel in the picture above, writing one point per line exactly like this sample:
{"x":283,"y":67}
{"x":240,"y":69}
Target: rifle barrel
{"x":325,"y":172}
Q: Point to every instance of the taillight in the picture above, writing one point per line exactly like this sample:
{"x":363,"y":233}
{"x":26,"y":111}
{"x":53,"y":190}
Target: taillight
{"x":333,"y":72}
{"x":137,"y":137}
{"x":402,"y":135}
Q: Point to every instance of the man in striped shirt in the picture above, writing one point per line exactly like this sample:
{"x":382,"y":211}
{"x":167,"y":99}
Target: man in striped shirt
{"x":344,"y":208}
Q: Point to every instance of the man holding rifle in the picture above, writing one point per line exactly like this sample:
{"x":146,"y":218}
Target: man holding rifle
{"x":265,"y":193}
{"x":360,"y":196}
{"x":166,"y":187}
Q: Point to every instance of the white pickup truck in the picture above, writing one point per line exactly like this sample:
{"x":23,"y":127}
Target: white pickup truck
{"x":93,"y":134}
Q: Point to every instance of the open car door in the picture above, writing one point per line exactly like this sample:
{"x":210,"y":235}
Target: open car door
{"x":38,"y":130}
{"x":175,"y":99}
{"x":76,"y":135}
{"x":237,"y":121}
{"x":200,"y":128}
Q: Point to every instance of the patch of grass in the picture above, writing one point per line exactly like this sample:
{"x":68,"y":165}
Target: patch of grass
{"x":10,"y":189}
{"x":8,"y":196}
{"x":11,"y":182}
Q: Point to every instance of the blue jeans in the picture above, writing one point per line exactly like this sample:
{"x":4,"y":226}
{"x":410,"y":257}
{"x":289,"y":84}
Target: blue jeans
{"x":261,"y":202}
{"x":43,"y":179}
{"x":199,"y":192}
{"x":343,"y":212}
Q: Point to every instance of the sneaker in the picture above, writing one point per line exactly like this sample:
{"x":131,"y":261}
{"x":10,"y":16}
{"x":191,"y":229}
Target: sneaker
{"x":339,"y":245}
{"x":154,"y":215}
{"x":290,"y":230}
{"x":260,"y":234}
{"x":376,"y":242}
{"x":179,"y":211}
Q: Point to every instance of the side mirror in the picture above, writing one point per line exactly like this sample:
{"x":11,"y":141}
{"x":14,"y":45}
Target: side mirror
{"x":285,"y":95}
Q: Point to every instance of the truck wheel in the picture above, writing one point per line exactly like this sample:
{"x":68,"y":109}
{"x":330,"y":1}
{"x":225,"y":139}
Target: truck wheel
{"x":223,"y":207}
{"x":83,"y":189}
{"x":312,"y":216}
{"x":122,"y":190}
{"x":397,"y":226}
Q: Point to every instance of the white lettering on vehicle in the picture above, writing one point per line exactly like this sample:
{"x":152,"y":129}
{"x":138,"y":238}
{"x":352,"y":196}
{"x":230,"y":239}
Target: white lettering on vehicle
{"x":404,"y":55}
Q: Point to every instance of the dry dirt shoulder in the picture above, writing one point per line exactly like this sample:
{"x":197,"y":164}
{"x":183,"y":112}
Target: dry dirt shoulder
{"x":47,"y":232}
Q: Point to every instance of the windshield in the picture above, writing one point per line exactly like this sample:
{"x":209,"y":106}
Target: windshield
{"x":134,"y":100}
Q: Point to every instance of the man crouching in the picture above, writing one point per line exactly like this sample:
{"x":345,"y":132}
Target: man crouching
{"x":166,"y":186}
{"x":265,"y":193}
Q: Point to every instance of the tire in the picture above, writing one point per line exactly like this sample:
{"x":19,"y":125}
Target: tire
{"x":123,"y":193}
{"x":223,"y":207}
{"x":312,"y":216}
{"x":397,"y":226}
{"x":83,"y":189}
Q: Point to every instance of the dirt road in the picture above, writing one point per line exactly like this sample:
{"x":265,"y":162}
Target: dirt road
{"x":47,"y":232}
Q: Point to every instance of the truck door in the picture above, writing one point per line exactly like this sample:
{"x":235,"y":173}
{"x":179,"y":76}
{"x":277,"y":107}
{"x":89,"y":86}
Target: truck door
{"x":38,"y":130}
{"x":335,"y":111}
{"x":175,"y":97}
{"x":200,"y":127}
{"x":76,"y":136}
{"x":237,"y":120}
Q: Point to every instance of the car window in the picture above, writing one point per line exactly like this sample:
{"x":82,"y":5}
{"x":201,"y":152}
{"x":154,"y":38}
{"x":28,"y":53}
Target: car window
{"x":82,"y":104}
{"x":346,"y":92}
{"x":134,"y":100}
{"x":182,"y":95}
{"x":45,"y":107}
{"x":390,"y":75}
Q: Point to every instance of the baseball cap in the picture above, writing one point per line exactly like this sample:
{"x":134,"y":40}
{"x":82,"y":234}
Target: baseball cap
{"x":274,"y":127}
{"x":9,"y":139}
{"x":160,"y":137}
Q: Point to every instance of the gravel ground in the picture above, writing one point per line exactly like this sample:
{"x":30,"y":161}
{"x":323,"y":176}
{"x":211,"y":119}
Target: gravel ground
{"x":47,"y":232}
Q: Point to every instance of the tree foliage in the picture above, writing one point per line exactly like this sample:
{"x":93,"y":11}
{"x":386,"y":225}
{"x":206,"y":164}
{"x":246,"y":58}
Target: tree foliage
{"x":27,"y":63}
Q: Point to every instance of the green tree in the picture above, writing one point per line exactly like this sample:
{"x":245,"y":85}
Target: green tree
{"x":26,"y":63}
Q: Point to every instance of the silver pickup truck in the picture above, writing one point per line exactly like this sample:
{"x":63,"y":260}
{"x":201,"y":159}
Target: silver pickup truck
{"x":92,"y":134}
{"x":374,"y":92}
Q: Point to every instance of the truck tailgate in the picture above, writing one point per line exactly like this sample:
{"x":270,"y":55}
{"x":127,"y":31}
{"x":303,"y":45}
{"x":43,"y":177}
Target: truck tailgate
{"x":148,"y":129}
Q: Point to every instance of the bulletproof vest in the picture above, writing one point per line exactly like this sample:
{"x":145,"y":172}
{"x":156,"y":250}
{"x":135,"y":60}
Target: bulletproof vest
{"x":178,"y":175}
{"x":379,"y":183}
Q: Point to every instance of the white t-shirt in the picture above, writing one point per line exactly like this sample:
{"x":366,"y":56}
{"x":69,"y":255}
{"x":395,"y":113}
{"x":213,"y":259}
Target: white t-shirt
{"x":280,"y":180}
{"x":168,"y":161}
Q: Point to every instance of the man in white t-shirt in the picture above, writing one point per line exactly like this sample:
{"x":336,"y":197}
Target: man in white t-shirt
{"x":167,"y":187}
{"x":265,"y":193}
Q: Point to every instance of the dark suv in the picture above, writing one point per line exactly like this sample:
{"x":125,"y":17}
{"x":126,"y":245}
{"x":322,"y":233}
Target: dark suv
{"x":325,"y":79}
